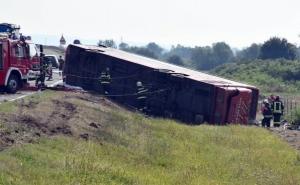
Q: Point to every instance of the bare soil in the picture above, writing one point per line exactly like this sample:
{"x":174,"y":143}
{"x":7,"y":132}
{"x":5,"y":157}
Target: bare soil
{"x":70,"y":114}
{"x":290,"y":136}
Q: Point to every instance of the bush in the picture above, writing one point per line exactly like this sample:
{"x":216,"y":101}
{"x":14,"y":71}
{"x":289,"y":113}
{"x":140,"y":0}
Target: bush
{"x":269,"y":75}
{"x":294,"y":116}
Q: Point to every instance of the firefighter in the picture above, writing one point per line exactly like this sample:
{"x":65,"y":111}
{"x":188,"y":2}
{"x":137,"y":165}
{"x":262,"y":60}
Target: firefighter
{"x":267,"y":114}
{"x":277,"y":108}
{"x":40,"y":81}
{"x":141,"y":97}
{"x":49,"y":70}
{"x":271,"y":99}
{"x":105,"y":80}
{"x":61,"y":63}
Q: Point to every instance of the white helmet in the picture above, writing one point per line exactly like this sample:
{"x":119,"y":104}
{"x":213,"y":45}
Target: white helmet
{"x":265,"y":101}
{"x":139,"y":84}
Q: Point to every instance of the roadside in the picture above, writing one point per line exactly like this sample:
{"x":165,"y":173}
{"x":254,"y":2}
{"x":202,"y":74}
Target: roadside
{"x":292,"y":137}
{"x":23,"y":93}
{"x":58,"y":137}
{"x":49,"y":114}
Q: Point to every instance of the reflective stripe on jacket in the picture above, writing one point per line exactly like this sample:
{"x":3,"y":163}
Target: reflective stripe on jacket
{"x":277,"y":107}
{"x":141,"y":93}
{"x":105,"y":78}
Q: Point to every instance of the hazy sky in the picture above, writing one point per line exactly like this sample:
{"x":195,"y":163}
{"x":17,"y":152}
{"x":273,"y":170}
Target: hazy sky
{"x":167,"y":22}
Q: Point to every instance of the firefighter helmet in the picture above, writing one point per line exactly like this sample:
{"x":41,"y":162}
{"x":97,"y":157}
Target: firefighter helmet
{"x":139,"y":84}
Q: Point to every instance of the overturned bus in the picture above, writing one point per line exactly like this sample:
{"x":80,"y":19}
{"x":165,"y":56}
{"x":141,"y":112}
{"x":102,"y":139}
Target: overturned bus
{"x":173,"y":91}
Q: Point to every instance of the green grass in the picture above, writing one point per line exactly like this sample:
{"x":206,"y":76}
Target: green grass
{"x":131,"y":149}
{"x":280,"y":76}
{"x":8,"y":106}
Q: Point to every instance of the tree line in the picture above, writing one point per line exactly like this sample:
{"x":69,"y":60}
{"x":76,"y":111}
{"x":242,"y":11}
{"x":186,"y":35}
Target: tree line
{"x":209,"y":57}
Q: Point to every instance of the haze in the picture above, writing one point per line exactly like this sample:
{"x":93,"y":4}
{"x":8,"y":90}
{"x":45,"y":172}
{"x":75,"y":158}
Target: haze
{"x":169,"y":22}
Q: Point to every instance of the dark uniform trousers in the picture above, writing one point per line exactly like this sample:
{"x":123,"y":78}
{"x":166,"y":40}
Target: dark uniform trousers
{"x":41,"y":77}
{"x":266,"y":122}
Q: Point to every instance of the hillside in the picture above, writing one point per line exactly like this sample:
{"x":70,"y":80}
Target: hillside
{"x":271,"y":76}
{"x":79,"y":138}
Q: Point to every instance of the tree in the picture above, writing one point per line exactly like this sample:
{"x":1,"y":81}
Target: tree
{"x":222,"y":53}
{"x":278,"y":48}
{"x":249,"y":53}
{"x":206,"y":58}
{"x":142,"y":51}
{"x":175,"y":59}
{"x":203,"y":58}
{"x":108,"y":43}
{"x":123,"y":46}
{"x":154,"y":48}
{"x":181,"y":51}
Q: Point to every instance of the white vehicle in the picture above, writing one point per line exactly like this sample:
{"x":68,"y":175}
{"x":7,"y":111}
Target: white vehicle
{"x":53,"y":59}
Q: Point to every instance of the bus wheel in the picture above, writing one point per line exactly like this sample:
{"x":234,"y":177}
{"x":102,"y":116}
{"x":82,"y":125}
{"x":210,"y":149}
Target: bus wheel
{"x":13,"y":84}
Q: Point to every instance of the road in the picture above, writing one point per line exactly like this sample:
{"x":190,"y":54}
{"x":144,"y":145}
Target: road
{"x":21,"y":94}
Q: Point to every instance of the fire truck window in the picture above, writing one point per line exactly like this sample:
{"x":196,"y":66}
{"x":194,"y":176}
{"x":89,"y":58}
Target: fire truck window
{"x":1,"y":57}
{"x":32,"y":50}
{"x":19,"y":51}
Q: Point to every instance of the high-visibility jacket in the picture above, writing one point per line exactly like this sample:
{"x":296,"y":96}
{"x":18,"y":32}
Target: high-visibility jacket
{"x":277,"y":107}
{"x":105,"y":78}
{"x":141,"y":93}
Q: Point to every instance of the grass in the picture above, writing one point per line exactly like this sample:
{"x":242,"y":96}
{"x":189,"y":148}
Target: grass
{"x":132,"y":149}
{"x":8,"y":106}
{"x":280,"y":76}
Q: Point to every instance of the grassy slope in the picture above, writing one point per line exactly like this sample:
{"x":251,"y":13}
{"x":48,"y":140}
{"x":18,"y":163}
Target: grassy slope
{"x":270,"y":76}
{"x":131,"y":149}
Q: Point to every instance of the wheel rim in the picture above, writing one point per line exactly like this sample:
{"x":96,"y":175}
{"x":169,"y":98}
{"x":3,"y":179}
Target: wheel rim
{"x":13,"y":84}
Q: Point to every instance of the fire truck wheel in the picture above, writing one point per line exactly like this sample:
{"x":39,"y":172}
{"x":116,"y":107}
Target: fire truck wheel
{"x":13,"y":84}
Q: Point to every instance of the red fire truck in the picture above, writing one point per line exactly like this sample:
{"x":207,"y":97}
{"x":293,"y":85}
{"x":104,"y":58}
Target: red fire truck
{"x":18,"y":58}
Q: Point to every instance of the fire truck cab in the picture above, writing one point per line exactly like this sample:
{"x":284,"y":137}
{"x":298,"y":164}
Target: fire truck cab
{"x":18,"y":58}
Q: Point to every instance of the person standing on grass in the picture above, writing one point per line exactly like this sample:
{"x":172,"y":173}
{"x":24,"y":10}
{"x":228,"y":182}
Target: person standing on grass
{"x":267,"y":114}
{"x":277,"y":108}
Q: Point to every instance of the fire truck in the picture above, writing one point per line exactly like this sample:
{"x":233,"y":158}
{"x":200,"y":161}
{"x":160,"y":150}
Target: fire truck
{"x":18,"y":58}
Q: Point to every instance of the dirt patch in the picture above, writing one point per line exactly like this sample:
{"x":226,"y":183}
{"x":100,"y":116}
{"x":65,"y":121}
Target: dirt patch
{"x":290,"y":136}
{"x":70,"y":114}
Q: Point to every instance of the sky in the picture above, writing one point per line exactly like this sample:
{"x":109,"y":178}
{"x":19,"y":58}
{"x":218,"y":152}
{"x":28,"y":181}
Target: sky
{"x":166,"y":22}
